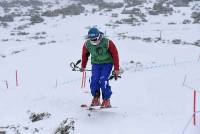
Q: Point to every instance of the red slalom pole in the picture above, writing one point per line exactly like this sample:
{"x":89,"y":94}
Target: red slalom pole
{"x":16,"y":76}
{"x":83,"y":77}
{"x":194,"y":115}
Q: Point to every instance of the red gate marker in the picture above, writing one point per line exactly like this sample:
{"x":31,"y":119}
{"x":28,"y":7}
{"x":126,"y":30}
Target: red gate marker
{"x":83,"y":79}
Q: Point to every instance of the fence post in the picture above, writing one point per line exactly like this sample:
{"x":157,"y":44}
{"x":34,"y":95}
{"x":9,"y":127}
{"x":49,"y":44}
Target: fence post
{"x":56,"y":83}
{"x":194,"y":108}
{"x":174,"y":61}
{"x":184,"y":80}
{"x":160,"y":35}
{"x":6,"y":84}
{"x":16,"y":77}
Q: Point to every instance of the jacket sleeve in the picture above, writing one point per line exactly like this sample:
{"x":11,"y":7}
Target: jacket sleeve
{"x":114,"y":53}
{"x":85,"y":55}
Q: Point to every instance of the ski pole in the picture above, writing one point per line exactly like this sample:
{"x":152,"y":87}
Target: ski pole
{"x":75,"y":66}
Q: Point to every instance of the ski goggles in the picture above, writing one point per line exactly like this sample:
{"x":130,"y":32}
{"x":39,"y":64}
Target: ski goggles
{"x":94,"y":39}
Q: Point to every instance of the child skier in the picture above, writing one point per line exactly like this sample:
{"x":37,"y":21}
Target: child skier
{"x":104,"y":55}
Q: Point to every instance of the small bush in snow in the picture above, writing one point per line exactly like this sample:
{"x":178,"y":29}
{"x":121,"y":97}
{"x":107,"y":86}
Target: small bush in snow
{"x":66,"y":127}
{"x":186,"y":21}
{"x":131,"y":20}
{"x":40,"y":116}
{"x":171,"y":23}
{"x":126,"y":11}
{"x":3,"y":56}
{"x":128,"y":20}
{"x":37,"y":37}
{"x":42,"y":43}
{"x":36,"y":19}
{"x":135,"y":11}
{"x":51,"y":13}
{"x":180,"y":3}
{"x":15,"y":52}
{"x":196,"y":17}
{"x":7,"y":18}
{"x":131,"y":3}
{"x":22,"y":33}
{"x":148,"y":39}
{"x":4,"y":24}
{"x":94,"y":2}
{"x":196,"y":7}
{"x":24,"y":3}
{"x":74,"y":9}
{"x":197,"y":43}
{"x":22,"y":27}
{"x":115,"y":15}
{"x":50,"y":42}
{"x":110,"y":5}
{"x":41,"y":33}
{"x":160,"y":8}
{"x":176,"y":41}
{"x":4,"y":40}
{"x":19,"y":129}
{"x":102,"y":4}
{"x":2,"y":132}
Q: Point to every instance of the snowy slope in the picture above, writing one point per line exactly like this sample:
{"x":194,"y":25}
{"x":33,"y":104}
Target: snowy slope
{"x":150,"y":97}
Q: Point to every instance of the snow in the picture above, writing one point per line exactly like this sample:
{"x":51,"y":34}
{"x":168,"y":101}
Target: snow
{"x":115,"y":1}
{"x":150,"y":98}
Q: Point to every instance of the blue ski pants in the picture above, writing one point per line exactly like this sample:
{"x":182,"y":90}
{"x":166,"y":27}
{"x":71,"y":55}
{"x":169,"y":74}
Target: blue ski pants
{"x":99,"y":80}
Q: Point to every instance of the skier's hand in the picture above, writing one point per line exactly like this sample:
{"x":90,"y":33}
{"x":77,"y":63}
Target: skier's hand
{"x":116,"y":74}
{"x":82,"y":69}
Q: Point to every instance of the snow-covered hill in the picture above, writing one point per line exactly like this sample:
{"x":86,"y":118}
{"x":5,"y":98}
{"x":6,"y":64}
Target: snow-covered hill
{"x":158,"y":44}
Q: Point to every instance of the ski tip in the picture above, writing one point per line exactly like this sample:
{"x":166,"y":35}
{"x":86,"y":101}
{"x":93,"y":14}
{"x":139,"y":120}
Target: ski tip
{"x":84,"y":105}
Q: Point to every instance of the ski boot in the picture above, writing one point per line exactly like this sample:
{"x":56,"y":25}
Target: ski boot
{"x":96,"y":100}
{"x":106,"y":104}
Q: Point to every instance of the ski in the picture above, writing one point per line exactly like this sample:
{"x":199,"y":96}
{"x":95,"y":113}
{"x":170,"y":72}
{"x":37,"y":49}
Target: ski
{"x":95,"y":108}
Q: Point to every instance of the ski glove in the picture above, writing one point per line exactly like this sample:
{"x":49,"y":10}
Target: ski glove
{"x":116,"y":74}
{"x":82,"y":69}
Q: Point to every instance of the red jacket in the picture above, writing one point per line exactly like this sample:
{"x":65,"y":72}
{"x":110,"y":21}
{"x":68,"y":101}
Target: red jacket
{"x":112,"y":49}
